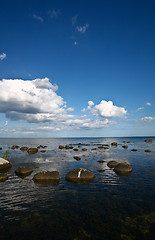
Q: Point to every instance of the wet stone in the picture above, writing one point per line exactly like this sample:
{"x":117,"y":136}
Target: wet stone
{"x":15,"y":147}
{"x":61,"y":147}
{"x":47,"y":177}
{"x":114,"y":144}
{"x":134,"y":150}
{"x":3,"y":177}
{"x":23,"y":171}
{"x":101,"y":170}
{"x":101,"y":161}
{"x":148,"y":150}
{"x":125,"y":146}
{"x":80,"y":175}
{"x":75,"y":149}
{"x":24,"y":148}
{"x":123,"y":169}
{"x":32,"y":150}
{"x":77,"y":158}
{"x":84,"y":149}
{"x":112,"y":164}
{"x":148,"y":140}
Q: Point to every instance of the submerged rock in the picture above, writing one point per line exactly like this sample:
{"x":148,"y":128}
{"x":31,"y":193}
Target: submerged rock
{"x":123,"y":168}
{"x":4,"y":165}
{"x":84,"y":149}
{"x":24,"y":148}
{"x":47,"y":177}
{"x":61,"y":147}
{"x":125,"y":146}
{"x":134,"y":150}
{"x":67,"y":147}
{"x":148,"y":140}
{"x":32,"y":150}
{"x":80,"y":175}
{"x":23,"y":171}
{"x":112,"y":164}
{"x":75,"y":149}
{"x":101,"y":161}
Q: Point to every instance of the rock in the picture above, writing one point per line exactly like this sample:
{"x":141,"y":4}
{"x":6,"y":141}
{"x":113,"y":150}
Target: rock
{"x":147,"y":150}
{"x":148,"y":140}
{"x":125,"y":146}
{"x":77,"y":158}
{"x":23,"y":171}
{"x":101,"y":161}
{"x":75,"y":149}
{"x":42,"y":151}
{"x":114,"y":144}
{"x":24,"y":148}
{"x":80,"y":175}
{"x":94,"y":149}
{"x":61,"y":147}
{"x":101,"y":170}
{"x":84,"y":149}
{"x":0,"y":148}
{"x":15,"y":147}
{"x":67,"y":147}
{"x":32,"y":150}
{"x":112,"y":164}
{"x":106,"y":147}
{"x":4,"y":165}
{"x":3,"y":177}
{"x":100,"y":147}
{"x":123,"y":168}
{"x":47,"y":177}
{"x":134,"y":150}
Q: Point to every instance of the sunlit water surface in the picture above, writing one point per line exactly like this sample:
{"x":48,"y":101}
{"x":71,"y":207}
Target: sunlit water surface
{"x":109,"y":207}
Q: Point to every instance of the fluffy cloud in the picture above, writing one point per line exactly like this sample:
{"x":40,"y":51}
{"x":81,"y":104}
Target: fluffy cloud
{"x":148,"y":104}
{"x":82,"y":29}
{"x":38,"y":18}
{"x":106,"y":109}
{"x":2,"y":56}
{"x":148,"y":119}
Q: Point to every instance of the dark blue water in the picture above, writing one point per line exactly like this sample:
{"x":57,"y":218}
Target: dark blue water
{"x":109,"y":207}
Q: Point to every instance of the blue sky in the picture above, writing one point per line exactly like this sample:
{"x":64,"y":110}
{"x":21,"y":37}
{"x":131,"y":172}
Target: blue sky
{"x":77,"y":68}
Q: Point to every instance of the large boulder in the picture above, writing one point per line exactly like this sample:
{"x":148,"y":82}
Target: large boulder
{"x":47,"y":177}
{"x":32,"y":150}
{"x":23,"y":171}
{"x":123,"y":169}
{"x":112,"y":164}
{"x":4,"y":165}
{"x":80,"y":175}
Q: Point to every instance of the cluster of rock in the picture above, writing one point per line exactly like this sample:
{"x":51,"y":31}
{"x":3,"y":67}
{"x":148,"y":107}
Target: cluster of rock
{"x":122,"y":168}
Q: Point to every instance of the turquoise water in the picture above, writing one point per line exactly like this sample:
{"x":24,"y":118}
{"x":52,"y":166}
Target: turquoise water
{"x":109,"y":207}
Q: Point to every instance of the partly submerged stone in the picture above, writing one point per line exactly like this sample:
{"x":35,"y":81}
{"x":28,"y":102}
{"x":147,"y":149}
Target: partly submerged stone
{"x":4,"y":165}
{"x":23,"y":171}
{"x":84,"y":149}
{"x":32,"y":150}
{"x":112,"y":164}
{"x":101,"y":161}
{"x":3,"y":177}
{"x":47,"y":177}
{"x":134,"y":150}
{"x":125,"y":146}
{"x":147,"y":150}
{"x":80,"y":175}
{"x":123,"y":168}
{"x":114,"y":144}
{"x":148,"y":140}
{"x":15,"y":147}
{"x":61,"y":147}
{"x":77,"y":158}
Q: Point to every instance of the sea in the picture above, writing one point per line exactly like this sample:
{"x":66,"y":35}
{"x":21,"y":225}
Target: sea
{"x":110,"y":207}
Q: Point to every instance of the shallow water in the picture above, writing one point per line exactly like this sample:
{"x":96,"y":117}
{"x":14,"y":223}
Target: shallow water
{"x":109,"y":207}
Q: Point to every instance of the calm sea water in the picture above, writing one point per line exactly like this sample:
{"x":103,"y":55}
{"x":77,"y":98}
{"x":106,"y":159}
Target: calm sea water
{"x":110,"y":207}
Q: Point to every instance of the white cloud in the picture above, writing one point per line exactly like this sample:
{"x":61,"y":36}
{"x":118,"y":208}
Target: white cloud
{"x":106,"y":109}
{"x":148,"y":104}
{"x":2,"y":56}
{"x":148,"y":119}
{"x":74,"y":19}
{"x":82,"y":29}
{"x":38,"y":18}
{"x":140,"y":108}
{"x":54,"y":13}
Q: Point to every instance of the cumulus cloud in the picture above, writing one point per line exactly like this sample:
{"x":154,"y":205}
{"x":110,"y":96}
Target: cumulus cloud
{"x":106,"y":109}
{"x":38,"y":18}
{"x":148,"y":104}
{"x":2,"y":56}
{"x":147,"y":119}
{"x":82,"y":29}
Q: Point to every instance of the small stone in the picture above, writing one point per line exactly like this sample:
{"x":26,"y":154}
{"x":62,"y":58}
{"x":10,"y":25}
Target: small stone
{"x":75,"y":149}
{"x":23,"y":171}
{"x":15,"y":147}
{"x":47,"y":177}
{"x":134,"y":150}
{"x":112,"y":164}
{"x":148,"y":140}
{"x":125,"y":146}
{"x":114,"y":144}
{"x":32,"y":150}
{"x":77,"y":158}
{"x":101,"y":161}
{"x":67,"y":147}
{"x":61,"y":147}
{"x":84,"y":149}
{"x":43,"y":151}
{"x":147,"y":150}
{"x":100,"y":147}
{"x":24,"y":148}
{"x":101,"y":170}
